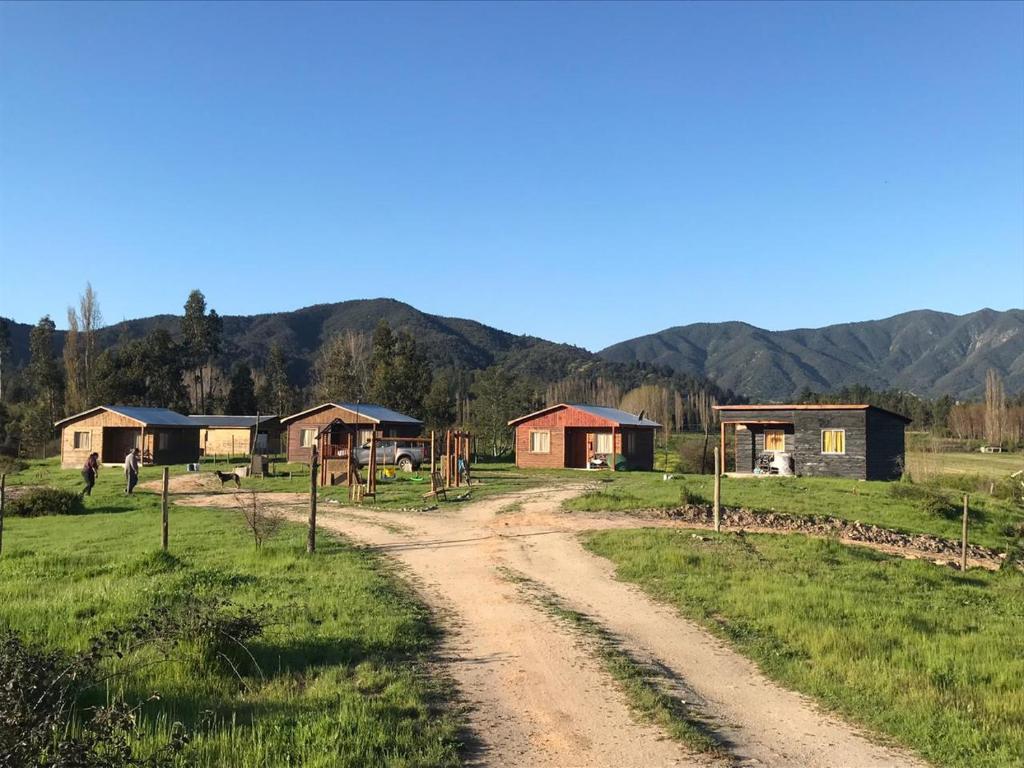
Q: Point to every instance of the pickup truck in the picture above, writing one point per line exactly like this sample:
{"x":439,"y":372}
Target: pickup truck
{"x":407,"y":456}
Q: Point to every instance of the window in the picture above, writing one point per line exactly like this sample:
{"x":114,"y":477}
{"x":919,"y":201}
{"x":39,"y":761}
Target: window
{"x":774,"y":440}
{"x":162,"y":441}
{"x":307,"y":437}
{"x":603,"y":442}
{"x":83,"y":440}
{"x":833,"y":441}
{"x":630,"y":437}
{"x":540,"y":442}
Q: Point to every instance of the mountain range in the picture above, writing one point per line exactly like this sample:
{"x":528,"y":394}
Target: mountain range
{"x":924,"y":352}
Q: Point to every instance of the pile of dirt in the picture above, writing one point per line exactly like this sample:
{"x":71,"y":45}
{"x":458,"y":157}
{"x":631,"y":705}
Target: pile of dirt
{"x":823,"y":525}
{"x":193,"y":482}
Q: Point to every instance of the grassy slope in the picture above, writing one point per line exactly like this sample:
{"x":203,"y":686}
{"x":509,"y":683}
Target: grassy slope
{"x":924,"y":654}
{"x":868,"y":502}
{"x":342,"y":654}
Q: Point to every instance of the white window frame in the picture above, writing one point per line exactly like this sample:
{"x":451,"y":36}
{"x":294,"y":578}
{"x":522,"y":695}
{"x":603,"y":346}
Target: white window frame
{"x":81,"y":445}
{"x":547,"y":440}
{"x":312,"y":439}
{"x":822,"y":442}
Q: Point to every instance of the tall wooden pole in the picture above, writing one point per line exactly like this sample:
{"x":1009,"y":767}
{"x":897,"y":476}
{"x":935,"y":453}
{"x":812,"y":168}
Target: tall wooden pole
{"x":163,"y":510}
{"x":963,"y":537}
{"x":718,"y":491}
{"x":3,"y":494}
{"x":311,"y":535}
{"x":433,"y":488}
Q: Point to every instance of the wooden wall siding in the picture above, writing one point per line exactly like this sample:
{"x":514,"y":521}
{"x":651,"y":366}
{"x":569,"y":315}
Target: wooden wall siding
{"x":806,"y":439}
{"x":554,"y":459}
{"x":94,"y":424}
{"x":559,"y":456}
{"x":568,"y":417}
{"x":320,"y":419}
{"x":886,"y":436}
{"x":225,"y":440}
{"x":744,"y":451}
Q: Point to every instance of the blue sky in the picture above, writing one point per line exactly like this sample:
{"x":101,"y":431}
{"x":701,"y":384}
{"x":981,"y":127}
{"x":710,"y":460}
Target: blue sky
{"x":582,"y":172}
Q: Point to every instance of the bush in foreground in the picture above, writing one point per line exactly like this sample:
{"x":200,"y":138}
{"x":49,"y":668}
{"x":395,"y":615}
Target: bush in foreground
{"x":38,"y":502}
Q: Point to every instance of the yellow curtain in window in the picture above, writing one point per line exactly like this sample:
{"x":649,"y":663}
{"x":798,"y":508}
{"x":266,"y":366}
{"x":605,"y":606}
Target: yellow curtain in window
{"x":774,"y":440}
{"x":833,"y":441}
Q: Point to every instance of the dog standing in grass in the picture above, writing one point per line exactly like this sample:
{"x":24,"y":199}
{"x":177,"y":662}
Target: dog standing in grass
{"x":227,"y":477}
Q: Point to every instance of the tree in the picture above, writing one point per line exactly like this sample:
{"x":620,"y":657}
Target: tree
{"x":439,"y":404}
{"x":36,"y":425}
{"x":500,"y":397}
{"x":995,"y":408}
{"x":400,"y":374}
{"x":5,"y":348}
{"x":242,"y":391}
{"x":335,"y":372}
{"x":275,"y":395}
{"x":89,"y":319}
{"x":43,"y":372}
{"x":149,"y":371}
{"x":704,"y":406}
{"x":73,"y":394}
{"x":201,"y":338}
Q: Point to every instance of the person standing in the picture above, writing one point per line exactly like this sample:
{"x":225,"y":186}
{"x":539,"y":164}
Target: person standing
{"x":131,"y":470}
{"x":89,"y":472}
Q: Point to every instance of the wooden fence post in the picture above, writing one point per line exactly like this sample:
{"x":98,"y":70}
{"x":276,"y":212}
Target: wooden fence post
{"x":311,"y":536}
{"x":963,"y":537}
{"x":718,"y":490}
{"x":3,"y":494}
{"x":163,"y":510}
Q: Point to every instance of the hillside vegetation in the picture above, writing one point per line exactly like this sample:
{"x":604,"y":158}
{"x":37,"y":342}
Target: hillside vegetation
{"x":924,"y":352}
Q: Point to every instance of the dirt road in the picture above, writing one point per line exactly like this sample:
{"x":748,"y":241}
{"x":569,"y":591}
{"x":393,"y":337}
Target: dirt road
{"x":537,"y":696}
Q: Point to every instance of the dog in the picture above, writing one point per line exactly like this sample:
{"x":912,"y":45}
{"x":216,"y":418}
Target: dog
{"x":227,"y":477}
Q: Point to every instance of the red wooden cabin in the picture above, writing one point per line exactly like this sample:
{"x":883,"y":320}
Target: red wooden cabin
{"x":581,"y":436}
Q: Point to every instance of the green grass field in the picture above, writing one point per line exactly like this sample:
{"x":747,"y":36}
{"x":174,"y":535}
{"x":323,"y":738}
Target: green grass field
{"x":342,"y":674}
{"x":926,"y":655}
{"x":994,"y":525}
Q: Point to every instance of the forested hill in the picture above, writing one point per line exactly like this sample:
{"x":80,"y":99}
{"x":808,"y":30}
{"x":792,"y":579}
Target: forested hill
{"x":924,"y":352}
{"x":448,"y":342}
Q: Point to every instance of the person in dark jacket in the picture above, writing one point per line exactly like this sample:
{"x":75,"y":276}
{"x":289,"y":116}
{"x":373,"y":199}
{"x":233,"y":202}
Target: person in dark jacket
{"x":89,"y":472}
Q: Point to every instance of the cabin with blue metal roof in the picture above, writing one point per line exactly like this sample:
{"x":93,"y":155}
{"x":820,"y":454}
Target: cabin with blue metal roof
{"x":343,"y":419}
{"x":164,"y":436}
{"x":579,"y":436}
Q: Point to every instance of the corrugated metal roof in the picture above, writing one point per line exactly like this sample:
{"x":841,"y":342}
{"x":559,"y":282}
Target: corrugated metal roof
{"x":622,"y":418}
{"x":378,"y":413}
{"x":812,"y":407}
{"x":152,"y":417}
{"x":369,"y":411}
{"x":228,"y":422}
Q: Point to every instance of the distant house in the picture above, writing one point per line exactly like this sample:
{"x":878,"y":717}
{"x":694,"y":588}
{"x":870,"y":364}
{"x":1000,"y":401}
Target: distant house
{"x":578,"y":436}
{"x":858,"y":441}
{"x":164,"y":436}
{"x":365,"y":418}
{"x":234,"y":435}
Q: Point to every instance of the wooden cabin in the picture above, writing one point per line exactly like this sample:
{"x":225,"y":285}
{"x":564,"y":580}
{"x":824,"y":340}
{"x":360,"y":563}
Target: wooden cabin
{"x":164,"y":436}
{"x":365,"y":418}
{"x":579,"y":436}
{"x":858,"y":441}
{"x":234,"y":435}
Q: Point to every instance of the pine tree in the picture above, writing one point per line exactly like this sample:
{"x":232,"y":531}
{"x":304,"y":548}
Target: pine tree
{"x":242,"y":392}
{"x":43,"y":372}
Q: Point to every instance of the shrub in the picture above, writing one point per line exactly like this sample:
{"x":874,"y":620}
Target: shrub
{"x":10,"y":465}
{"x":38,"y":502}
{"x":690,"y":498}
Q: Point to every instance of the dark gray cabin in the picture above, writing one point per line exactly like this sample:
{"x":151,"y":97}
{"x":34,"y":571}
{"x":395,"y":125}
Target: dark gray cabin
{"x":857,"y":441}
